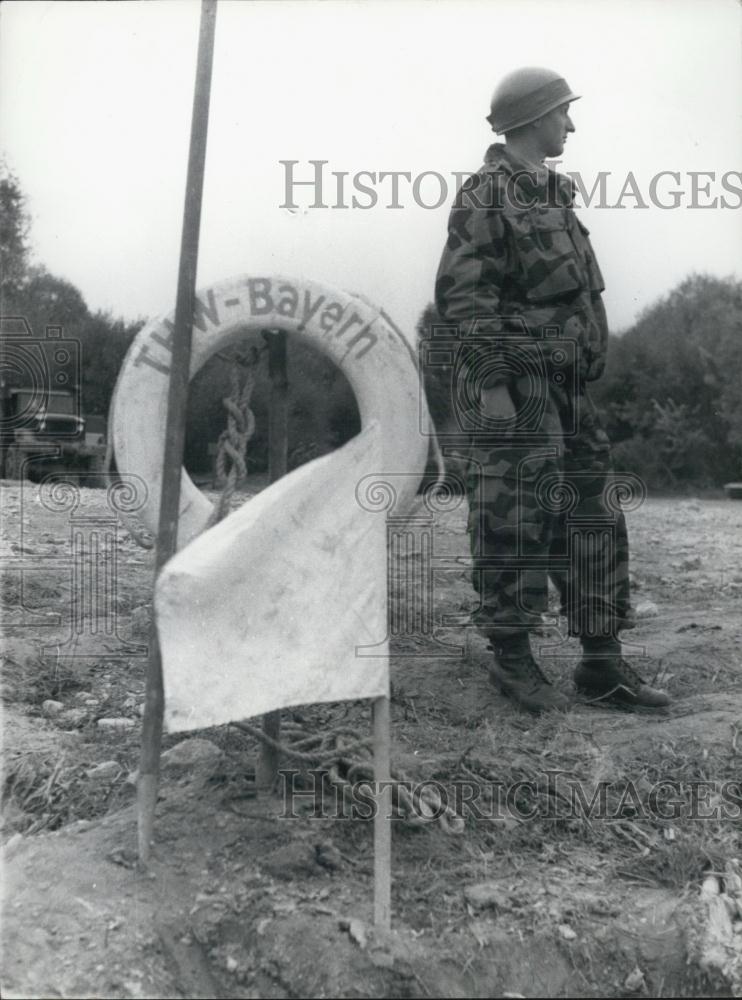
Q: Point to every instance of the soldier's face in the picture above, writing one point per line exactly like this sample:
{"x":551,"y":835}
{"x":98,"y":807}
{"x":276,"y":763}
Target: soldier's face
{"x":554,"y":129}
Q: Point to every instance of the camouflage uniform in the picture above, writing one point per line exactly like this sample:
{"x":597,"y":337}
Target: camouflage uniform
{"x":519,"y":279}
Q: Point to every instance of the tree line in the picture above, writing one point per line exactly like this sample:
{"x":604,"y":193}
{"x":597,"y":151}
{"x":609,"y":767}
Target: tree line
{"x":28,"y":291}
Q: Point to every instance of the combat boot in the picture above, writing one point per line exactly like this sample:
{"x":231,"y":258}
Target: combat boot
{"x":604,"y":676}
{"x":517,"y":675}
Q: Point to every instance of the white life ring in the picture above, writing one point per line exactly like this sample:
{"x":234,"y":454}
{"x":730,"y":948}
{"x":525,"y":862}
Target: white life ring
{"x":359,"y":337}
{"x":284,"y":601}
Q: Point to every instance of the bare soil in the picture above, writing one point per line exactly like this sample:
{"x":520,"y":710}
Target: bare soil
{"x":241,"y":901}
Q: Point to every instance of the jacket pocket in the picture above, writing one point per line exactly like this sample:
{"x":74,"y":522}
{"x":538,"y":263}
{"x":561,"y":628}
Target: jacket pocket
{"x":548,"y":264}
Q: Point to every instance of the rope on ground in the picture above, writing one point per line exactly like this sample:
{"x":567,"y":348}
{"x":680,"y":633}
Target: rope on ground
{"x":141,"y":535}
{"x":348,"y":766}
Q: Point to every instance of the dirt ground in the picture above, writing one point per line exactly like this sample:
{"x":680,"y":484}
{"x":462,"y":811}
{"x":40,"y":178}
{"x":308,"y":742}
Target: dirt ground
{"x":538,"y":896}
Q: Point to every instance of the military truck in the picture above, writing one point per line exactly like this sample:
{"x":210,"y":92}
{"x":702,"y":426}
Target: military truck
{"x":47,"y":433}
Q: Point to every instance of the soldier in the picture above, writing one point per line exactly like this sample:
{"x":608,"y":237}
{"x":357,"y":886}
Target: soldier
{"x":520,"y":280}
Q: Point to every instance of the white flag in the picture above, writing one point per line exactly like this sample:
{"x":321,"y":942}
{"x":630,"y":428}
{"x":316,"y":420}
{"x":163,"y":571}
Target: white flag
{"x":268,"y":608}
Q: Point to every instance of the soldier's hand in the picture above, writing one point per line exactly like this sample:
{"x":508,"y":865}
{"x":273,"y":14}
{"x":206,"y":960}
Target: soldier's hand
{"x":497,"y":403}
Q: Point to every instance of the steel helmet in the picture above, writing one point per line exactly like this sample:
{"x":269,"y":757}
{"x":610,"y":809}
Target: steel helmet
{"x":525,"y":95}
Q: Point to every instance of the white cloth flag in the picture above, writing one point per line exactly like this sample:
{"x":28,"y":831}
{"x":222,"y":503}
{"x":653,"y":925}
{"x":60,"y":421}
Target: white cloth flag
{"x":266,"y":609}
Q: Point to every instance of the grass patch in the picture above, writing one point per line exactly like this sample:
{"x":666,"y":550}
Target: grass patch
{"x":41,"y":793}
{"x":38,"y":679}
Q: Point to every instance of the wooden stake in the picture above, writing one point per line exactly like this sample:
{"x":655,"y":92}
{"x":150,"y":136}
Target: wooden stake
{"x":268,"y":759}
{"x":167,"y":537}
{"x":382,"y":818}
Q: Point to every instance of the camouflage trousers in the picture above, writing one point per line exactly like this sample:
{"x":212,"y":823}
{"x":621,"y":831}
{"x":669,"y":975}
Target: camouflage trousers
{"x":546,"y":505}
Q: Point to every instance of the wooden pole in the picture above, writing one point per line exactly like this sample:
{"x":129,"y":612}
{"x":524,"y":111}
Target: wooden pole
{"x":382,"y":817}
{"x":167,"y":537}
{"x":267,"y":770}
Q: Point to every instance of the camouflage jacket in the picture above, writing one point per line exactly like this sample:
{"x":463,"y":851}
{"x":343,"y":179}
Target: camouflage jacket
{"x":517,"y":254}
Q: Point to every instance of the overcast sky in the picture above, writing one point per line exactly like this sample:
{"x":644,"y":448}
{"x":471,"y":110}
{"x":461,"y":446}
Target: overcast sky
{"x":95,"y":104}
